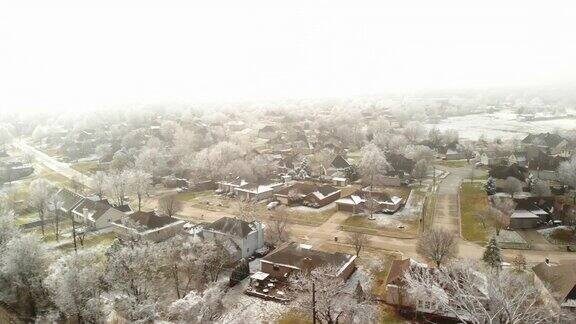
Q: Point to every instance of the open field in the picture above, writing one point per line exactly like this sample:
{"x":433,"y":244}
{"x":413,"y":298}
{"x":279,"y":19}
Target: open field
{"x":102,"y":240}
{"x":473,"y":199}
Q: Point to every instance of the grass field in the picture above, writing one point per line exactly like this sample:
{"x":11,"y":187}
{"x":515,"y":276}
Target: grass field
{"x":454,"y":163}
{"x":104,"y":240}
{"x":87,"y":167}
{"x":473,"y":199}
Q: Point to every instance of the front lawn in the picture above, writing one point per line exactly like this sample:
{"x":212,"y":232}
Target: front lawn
{"x":87,"y":168}
{"x":473,"y":199}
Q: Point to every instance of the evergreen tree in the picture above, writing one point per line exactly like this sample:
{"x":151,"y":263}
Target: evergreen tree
{"x":490,"y":186}
{"x":492,"y":255}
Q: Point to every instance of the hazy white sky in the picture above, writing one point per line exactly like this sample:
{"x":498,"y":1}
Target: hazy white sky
{"x":115,"y":52}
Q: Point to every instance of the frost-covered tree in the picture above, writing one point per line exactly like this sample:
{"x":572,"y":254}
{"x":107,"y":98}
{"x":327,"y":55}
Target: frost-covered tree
{"x":492,"y":255}
{"x":541,"y":189}
{"x":40,"y":192}
{"x":437,"y":245}
{"x":197,"y":307}
{"x":512,"y":186}
{"x":8,"y":228}
{"x":99,"y":183}
{"x":120,"y":161}
{"x":139,"y":184}
{"x":277,"y":229}
{"x":330,"y":296}
{"x":23,"y":265}
{"x":372,"y":163}
{"x":134,"y":274}
{"x":414,"y":131}
{"x":116,"y":187}
{"x":506,"y":206}
{"x":420,"y":170}
{"x":152,"y":161}
{"x":74,"y":284}
{"x":478,"y":298}
{"x":359,"y":240}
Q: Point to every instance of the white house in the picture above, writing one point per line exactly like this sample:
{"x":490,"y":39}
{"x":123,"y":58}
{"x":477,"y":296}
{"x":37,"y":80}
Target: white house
{"x":95,"y":214}
{"x":240,"y":238}
{"x":257,"y":192}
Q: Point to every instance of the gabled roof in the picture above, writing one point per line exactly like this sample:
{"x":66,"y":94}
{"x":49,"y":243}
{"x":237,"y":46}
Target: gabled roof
{"x":545,"y":139}
{"x":560,"y":278}
{"x":231,"y":226}
{"x":293,"y":254}
{"x":68,"y":198}
{"x":150,"y":220}
{"x":95,"y":208}
{"x":340,"y":162}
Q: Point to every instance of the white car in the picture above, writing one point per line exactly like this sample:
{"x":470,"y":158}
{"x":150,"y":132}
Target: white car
{"x":272,"y":205}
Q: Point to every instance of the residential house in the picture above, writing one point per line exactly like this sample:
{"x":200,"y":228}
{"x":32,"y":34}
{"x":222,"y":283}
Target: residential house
{"x":257,"y":191}
{"x":292,"y":256}
{"x":490,"y":158}
{"x":339,"y":164}
{"x":339,"y":181}
{"x":308,"y":194}
{"x":68,"y":200}
{"x":357,"y":202}
{"x":95,"y":214}
{"x":557,"y":283}
{"x":240,"y":238}
{"x":230,"y":186}
{"x":400,"y":162}
{"x":321,"y":197}
{"x":552,"y":144}
{"x":453,"y":154}
{"x":149,"y":226}
{"x":530,"y":212}
{"x":518,"y":159}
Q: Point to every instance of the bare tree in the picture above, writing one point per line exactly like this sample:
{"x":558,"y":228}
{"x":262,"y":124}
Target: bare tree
{"x":246,"y":210}
{"x":329,"y":298}
{"x":567,"y":173}
{"x":519,"y":262}
{"x":170,"y":205}
{"x":99,"y":183}
{"x":278,"y":227}
{"x":437,"y":245}
{"x":40,"y":191}
{"x":139,"y":183}
{"x":55,"y":204}
{"x":359,"y":241}
{"x":117,"y":187}
{"x":420,"y":170}
{"x":501,"y":220}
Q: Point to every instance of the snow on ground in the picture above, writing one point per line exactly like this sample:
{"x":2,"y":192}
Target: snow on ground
{"x":394,"y":220}
{"x":304,"y":209}
{"x":503,"y":124}
{"x":241,"y":308}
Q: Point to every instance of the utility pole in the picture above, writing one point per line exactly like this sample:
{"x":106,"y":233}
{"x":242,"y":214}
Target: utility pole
{"x":313,"y":303}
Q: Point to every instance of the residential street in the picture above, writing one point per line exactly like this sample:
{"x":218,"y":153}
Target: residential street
{"x":53,"y":164}
{"x":446,"y":216}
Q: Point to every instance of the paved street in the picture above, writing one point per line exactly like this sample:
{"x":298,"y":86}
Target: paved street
{"x":53,"y":164}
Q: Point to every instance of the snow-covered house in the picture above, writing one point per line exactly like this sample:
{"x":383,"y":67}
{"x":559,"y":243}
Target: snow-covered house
{"x":557,"y":283}
{"x":231,"y":186}
{"x":240,"y":238}
{"x":148,"y":226}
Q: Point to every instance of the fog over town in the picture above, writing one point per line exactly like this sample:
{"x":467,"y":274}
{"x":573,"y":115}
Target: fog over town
{"x":294,"y":162}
